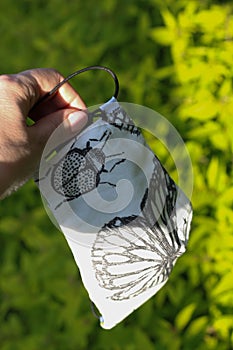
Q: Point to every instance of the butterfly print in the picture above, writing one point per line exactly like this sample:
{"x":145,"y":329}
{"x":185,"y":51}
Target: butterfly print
{"x":135,"y":253}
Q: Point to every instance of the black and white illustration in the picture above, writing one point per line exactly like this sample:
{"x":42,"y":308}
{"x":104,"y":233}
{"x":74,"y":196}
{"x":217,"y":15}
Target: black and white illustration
{"x":133,"y":254}
{"x":87,"y":176}
{"x":79,"y":171}
{"x":124,"y":218}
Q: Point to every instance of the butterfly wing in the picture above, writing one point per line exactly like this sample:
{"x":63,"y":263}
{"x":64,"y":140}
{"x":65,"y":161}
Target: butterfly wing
{"x":159,"y":208}
{"x":166,"y":206}
{"x":133,"y":254}
{"x":128,"y":259}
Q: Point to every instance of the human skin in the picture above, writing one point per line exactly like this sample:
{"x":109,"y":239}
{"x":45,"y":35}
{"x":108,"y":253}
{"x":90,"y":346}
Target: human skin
{"x":21,"y":146}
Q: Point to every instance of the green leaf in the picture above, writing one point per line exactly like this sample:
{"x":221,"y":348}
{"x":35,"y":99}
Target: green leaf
{"x":213,"y":172}
{"x":202,"y":110}
{"x":162,"y":35}
{"x":184,"y":316}
{"x":225,"y":285}
{"x":197,"y":327}
{"x":224,"y":325}
{"x":169,"y":19}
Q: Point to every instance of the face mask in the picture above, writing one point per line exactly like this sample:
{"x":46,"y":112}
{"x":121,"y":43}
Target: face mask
{"x":124,"y":218}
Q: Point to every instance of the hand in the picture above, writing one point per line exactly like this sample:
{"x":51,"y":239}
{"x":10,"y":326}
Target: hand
{"x":21,"y":146}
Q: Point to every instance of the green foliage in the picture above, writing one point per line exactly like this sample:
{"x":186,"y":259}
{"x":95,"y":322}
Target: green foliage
{"x":175,"y":57}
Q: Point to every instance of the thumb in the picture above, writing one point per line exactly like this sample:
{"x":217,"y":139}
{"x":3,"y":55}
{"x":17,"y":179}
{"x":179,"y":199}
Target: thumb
{"x":66,"y":122}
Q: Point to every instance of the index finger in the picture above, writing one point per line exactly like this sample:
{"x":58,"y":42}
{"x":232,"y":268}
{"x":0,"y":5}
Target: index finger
{"x":65,"y":97}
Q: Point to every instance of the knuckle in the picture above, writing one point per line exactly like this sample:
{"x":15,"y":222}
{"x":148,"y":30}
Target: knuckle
{"x":17,"y":84}
{"x":8,"y":79}
{"x":51,"y":72}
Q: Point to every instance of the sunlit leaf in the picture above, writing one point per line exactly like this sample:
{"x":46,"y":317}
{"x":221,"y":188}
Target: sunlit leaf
{"x":213,"y":173}
{"x":184,"y":316}
{"x":225,"y":285}
{"x":162,"y":35}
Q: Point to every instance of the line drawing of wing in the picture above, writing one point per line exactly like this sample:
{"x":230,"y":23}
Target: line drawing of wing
{"x":159,"y":207}
{"x":133,"y":254}
{"x":131,"y":260}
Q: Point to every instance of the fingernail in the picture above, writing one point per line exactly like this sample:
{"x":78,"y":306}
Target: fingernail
{"x":77,"y":120}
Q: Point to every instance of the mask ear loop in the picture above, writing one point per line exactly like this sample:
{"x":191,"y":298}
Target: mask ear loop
{"x":72,"y":75}
{"x":96,"y":314}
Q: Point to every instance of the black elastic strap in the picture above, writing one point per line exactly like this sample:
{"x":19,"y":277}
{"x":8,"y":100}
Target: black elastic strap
{"x":72,"y":75}
{"x":95,"y":312}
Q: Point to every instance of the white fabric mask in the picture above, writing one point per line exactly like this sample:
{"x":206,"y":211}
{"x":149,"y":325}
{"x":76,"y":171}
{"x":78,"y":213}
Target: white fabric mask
{"x":124,"y":218}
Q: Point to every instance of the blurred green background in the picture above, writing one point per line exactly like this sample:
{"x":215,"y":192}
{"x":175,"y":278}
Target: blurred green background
{"x":175,"y":57}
